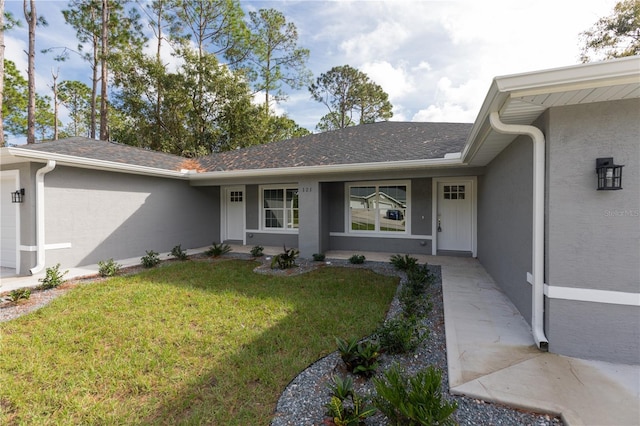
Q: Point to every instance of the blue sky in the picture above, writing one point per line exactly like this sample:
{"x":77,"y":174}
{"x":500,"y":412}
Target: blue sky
{"x":435,"y":59}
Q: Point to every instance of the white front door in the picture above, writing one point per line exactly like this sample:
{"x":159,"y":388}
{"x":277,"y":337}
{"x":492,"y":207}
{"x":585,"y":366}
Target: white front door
{"x":233,"y":227}
{"x":8,"y":223}
{"x":454,"y":218}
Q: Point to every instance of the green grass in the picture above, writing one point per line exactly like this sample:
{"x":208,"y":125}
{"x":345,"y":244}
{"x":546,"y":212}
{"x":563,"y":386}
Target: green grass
{"x":186,"y":343}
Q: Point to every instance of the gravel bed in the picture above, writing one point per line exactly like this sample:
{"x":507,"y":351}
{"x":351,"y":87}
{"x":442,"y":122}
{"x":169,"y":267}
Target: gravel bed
{"x":303,"y":400}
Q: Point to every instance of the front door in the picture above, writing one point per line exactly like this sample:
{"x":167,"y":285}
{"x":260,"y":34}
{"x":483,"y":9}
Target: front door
{"x":454,"y":219}
{"x":233,"y":228}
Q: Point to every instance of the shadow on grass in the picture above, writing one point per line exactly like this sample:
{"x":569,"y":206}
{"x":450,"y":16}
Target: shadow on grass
{"x":283,"y":324}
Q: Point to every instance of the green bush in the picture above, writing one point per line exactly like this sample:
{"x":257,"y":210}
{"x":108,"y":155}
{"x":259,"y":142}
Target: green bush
{"x":318,"y":257}
{"x":414,"y":305}
{"x":401,"y":335}
{"x":413,"y":400}
{"x":285,"y":260}
{"x":359,"y":358}
{"x":342,"y":413}
{"x":257,"y":251}
{"x":108,"y":268}
{"x":357,"y":259}
{"x":178,"y":253}
{"x":53,"y":277}
{"x":218,"y":250}
{"x":403,"y":263}
{"x":150,"y":260}
{"x":341,"y":387}
{"x":18,"y":294}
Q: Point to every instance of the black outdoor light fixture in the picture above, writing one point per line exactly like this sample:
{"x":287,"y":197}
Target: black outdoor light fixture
{"x":17,"y":196}
{"x":609,"y":174}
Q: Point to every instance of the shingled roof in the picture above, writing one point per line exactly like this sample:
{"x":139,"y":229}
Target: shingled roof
{"x":367,"y":143}
{"x":109,"y":151}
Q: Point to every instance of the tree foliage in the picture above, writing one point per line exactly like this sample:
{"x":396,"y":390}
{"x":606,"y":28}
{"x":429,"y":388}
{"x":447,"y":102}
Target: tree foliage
{"x":351,"y":97}
{"x":76,"y":97}
{"x":275,"y":58}
{"x":614,"y":36}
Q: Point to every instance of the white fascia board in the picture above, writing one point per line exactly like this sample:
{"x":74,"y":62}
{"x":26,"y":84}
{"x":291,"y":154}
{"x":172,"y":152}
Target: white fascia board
{"x":89,"y":163}
{"x":582,"y":76}
{"x":328,"y":170}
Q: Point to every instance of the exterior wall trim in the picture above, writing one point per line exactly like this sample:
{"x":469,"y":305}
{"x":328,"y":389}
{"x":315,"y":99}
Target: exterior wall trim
{"x":272,"y":231}
{"x":474,"y":211}
{"x":378,"y":235}
{"x":589,"y":295}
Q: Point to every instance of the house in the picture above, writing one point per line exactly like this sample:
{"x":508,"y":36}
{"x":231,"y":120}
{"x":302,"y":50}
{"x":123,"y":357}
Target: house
{"x":517,"y":189}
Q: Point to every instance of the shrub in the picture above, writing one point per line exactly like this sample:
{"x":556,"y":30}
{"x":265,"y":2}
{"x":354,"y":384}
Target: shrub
{"x":401,"y":335}
{"x":419,"y":278}
{"x":150,"y":260}
{"x":357,"y":259}
{"x":359,"y":358}
{"x":53,"y":277}
{"x":403,"y":263}
{"x":413,"y":400}
{"x":178,"y":253}
{"x":257,"y":251}
{"x":218,"y":250}
{"x":18,"y":294}
{"x":414,"y":305}
{"x":108,"y":268}
{"x":318,"y":257}
{"x":285,"y":260}
{"x":346,"y":406}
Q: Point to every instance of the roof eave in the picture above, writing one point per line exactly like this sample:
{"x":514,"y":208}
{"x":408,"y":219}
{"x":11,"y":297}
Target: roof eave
{"x":328,"y":169}
{"x":89,"y":163}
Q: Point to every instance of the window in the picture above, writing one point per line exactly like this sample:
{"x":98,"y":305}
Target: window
{"x":280,"y":208}
{"x":453,"y":192}
{"x":235,"y":196}
{"x":378,"y":207}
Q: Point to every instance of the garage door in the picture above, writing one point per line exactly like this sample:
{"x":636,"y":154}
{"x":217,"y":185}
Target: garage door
{"x":8,"y":224}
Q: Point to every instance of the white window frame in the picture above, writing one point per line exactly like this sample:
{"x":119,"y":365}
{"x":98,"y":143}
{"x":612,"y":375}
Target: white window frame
{"x":378,"y":184}
{"x":284,"y":187}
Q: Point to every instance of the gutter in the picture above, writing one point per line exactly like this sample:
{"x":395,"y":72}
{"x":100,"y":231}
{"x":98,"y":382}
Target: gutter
{"x":40,"y":215}
{"x":537,"y":297}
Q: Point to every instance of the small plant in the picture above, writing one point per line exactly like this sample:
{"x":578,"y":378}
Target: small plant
{"x":285,"y":260}
{"x":419,"y":278}
{"x":401,"y":335}
{"x":357,"y":259}
{"x":178,"y":253}
{"x":359,"y":358}
{"x":19,"y":294}
{"x":341,"y":387}
{"x":414,"y":305}
{"x":318,"y":257}
{"x":342,"y":412}
{"x":218,"y":249}
{"x":150,"y":260}
{"x":403,"y":263}
{"x":257,"y":251}
{"x":413,"y":400}
{"x":52,"y":278}
{"x":108,"y":268}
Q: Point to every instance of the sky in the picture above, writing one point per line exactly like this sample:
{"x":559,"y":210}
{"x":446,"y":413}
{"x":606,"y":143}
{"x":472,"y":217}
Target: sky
{"x":435,"y":59}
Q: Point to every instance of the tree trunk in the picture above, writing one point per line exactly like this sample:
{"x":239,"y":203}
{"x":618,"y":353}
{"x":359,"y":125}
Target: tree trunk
{"x":55,"y":105}
{"x":104,"y":123}
{"x":1,"y":70}
{"x":30,"y":17}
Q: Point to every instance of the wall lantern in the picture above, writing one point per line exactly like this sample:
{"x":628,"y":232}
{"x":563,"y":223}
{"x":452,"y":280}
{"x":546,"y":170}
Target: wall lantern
{"x":609,"y":174}
{"x":18,"y":196}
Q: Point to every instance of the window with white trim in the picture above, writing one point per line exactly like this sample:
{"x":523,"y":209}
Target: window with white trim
{"x":378,"y":207}
{"x":280,"y":207}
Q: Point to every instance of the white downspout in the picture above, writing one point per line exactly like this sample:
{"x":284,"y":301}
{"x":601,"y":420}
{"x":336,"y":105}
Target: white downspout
{"x":537,"y":311}
{"x":40,"y":215}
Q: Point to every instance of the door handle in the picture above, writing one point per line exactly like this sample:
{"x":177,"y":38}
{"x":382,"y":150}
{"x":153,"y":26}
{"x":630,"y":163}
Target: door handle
{"x":439,"y":227}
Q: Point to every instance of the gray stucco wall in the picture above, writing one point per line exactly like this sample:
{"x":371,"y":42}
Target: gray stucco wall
{"x":114,"y":215}
{"x":594,"y":236}
{"x":505,"y":221}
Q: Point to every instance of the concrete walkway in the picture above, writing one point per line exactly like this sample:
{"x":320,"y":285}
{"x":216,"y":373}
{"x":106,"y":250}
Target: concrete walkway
{"x":490,"y":351}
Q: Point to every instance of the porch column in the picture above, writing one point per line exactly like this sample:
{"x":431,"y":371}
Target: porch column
{"x":309,"y":231}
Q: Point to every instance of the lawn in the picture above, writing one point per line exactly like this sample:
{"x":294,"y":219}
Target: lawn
{"x":185,"y":343}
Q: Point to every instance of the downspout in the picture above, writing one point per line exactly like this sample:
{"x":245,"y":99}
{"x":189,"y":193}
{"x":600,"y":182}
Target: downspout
{"x":40,"y":215}
{"x":537,"y":311}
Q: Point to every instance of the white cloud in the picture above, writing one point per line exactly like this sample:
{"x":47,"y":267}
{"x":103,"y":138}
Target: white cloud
{"x":395,"y":81}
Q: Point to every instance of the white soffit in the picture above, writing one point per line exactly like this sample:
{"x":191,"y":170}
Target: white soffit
{"x":523,"y":104}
